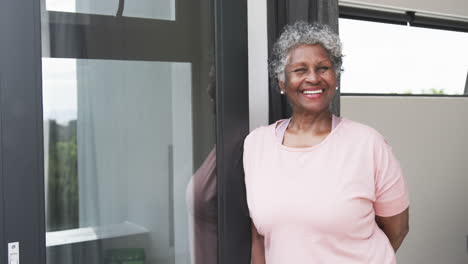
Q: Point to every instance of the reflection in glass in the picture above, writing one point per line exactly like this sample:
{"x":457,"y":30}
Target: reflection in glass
{"x":129,"y":134}
{"x":160,"y":9}
{"x":61,"y":171}
{"x":119,"y":159}
{"x":202,"y":200}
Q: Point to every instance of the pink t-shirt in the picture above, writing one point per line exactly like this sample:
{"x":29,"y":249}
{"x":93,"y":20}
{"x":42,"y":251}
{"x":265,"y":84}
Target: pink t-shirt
{"x":318,"y":204}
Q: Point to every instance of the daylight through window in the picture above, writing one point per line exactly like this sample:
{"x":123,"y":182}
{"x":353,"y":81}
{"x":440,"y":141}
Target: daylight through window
{"x":387,"y":58}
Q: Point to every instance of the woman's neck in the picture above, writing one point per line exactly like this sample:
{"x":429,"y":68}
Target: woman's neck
{"x":316,"y":123}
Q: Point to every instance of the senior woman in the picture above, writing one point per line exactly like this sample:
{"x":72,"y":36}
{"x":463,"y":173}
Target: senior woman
{"x":320,"y":189}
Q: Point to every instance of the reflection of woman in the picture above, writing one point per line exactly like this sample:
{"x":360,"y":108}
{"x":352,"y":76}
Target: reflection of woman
{"x":320,"y":189}
{"x":202,"y":202}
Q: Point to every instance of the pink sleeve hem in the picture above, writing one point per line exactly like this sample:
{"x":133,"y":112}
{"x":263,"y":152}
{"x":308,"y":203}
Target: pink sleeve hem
{"x":391,"y":208}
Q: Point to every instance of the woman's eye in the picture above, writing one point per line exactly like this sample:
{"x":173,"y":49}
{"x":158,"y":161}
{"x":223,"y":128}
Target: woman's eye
{"x":323,"y":69}
{"x":299,"y":70}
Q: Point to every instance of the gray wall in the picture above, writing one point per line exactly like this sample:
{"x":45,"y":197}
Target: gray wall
{"x":430,"y":138}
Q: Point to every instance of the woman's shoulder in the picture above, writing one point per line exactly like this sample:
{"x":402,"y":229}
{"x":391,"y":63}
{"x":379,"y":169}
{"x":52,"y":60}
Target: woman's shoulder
{"x":355,"y":130}
{"x":261,"y":134}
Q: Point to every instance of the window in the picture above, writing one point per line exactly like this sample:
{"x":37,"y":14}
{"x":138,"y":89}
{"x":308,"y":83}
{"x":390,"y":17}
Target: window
{"x":394,"y":57}
{"x":129,"y":128}
{"x":161,"y":9}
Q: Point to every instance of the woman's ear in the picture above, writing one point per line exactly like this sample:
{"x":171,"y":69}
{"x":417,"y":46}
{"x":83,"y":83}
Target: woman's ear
{"x":281,"y":85}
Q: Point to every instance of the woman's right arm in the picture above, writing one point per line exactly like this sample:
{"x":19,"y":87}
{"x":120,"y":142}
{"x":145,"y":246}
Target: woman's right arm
{"x":258,"y":247}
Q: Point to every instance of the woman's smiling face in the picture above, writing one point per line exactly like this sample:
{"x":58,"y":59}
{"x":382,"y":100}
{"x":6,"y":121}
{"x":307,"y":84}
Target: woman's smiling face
{"x":310,"y":79}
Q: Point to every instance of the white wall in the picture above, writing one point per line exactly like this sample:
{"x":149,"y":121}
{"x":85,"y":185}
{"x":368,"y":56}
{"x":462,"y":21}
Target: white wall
{"x":430,"y":138}
{"x":258,"y":63}
{"x":447,"y":7}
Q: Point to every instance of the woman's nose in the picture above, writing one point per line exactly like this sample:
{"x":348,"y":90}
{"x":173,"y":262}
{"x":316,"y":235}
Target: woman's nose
{"x":312,"y":76}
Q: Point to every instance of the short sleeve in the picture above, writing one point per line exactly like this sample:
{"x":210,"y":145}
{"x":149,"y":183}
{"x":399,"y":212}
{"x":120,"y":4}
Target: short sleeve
{"x":246,"y":154}
{"x":251,"y":145}
{"x":391,"y":190}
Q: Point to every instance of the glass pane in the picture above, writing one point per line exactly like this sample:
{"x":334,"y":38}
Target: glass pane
{"x":60,"y":143}
{"x":388,"y":58}
{"x":160,"y":9}
{"x":129,"y":147}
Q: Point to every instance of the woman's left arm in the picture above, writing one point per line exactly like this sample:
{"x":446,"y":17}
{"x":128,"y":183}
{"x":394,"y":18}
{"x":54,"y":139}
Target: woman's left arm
{"x":395,"y":227}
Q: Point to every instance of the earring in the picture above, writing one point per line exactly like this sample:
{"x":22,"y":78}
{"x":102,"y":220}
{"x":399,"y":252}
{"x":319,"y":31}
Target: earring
{"x":281,"y":92}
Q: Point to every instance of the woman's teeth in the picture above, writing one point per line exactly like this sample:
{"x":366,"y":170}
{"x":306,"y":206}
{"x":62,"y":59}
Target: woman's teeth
{"x":312,"y":92}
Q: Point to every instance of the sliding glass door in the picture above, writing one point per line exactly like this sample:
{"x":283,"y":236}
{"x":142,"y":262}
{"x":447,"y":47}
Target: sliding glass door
{"x":129,"y":131}
{"x":141,"y":116}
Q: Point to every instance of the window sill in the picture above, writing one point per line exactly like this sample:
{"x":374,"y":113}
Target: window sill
{"x":70,"y":236}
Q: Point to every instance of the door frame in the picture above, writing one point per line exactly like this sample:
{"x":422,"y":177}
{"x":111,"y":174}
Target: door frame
{"x":21,"y":144}
{"x":232,"y":126}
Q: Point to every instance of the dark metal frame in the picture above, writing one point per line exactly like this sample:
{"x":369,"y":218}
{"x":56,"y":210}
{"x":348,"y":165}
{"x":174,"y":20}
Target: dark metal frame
{"x":407,"y":18}
{"x":372,"y":15}
{"x":21,"y":142}
{"x":232,"y":118}
{"x":404,"y":18}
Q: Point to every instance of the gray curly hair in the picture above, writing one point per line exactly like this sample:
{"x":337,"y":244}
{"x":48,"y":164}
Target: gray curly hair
{"x":301,"y":33}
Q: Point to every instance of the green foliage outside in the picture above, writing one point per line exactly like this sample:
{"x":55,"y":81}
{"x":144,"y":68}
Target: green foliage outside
{"x":433,"y":91}
{"x":62,"y":204}
{"x":427,"y":91}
